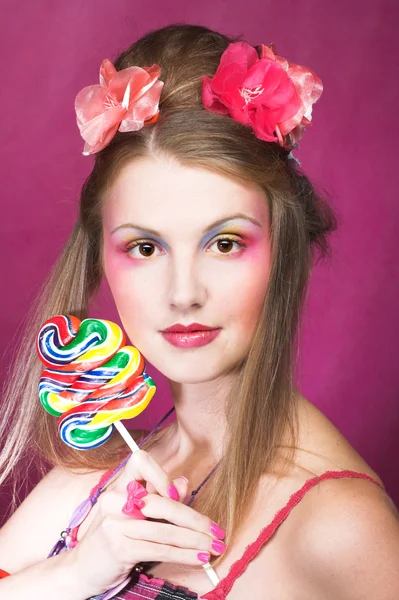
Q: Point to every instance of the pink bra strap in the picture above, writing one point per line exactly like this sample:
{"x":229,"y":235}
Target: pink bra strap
{"x":105,"y":476}
{"x":241,"y":564}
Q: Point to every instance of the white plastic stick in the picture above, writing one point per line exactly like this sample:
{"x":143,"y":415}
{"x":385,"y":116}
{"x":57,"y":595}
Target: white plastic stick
{"x":126,"y":436}
{"x":133,"y":446}
{"x":211,"y":573}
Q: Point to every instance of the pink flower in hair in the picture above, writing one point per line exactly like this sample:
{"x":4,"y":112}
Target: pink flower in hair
{"x":124,"y":100}
{"x":269,"y":94}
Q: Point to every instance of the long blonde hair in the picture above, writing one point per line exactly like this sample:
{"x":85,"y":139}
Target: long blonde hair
{"x":300,"y":223}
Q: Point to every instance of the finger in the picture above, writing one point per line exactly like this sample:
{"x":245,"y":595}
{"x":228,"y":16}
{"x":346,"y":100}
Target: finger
{"x":150,"y":488}
{"x":165,"y":533}
{"x":150,"y":551}
{"x":181,"y":484}
{"x":142,"y":467}
{"x":156,"y":507}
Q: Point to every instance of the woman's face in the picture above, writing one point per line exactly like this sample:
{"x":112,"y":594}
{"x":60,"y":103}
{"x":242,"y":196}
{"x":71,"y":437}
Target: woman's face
{"x":185,"y":245}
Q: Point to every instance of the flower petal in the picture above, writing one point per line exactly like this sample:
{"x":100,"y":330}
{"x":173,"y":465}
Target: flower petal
{"x":210,"y":100}
{"x":91,"y":102}
{"x":279,"y":90}
{"x":309,"y":89}
{"x":263,"y":71}
{"x":296,"y":134}
{"x":137,"y":78}
{"x":267,"y":52}
{"x":97,"y":116}
{"x":143,"y":109}
{"x":263,"y":125}
{"x":228,"y":88}
{"x":107,"y":72}
{"x":223,"y":87}
{"x":239,"y":54}
{"x":241,"y":115}
{"x":99,"y":131}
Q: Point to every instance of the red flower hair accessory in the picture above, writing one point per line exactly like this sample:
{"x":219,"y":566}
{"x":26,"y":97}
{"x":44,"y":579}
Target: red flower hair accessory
{"x":124,"y":100}
{"x":269,"y":94}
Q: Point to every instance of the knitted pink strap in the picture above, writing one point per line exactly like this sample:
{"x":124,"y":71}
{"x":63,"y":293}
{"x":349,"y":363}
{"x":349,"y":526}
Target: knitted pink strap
{"x":237,"y":569}
{"x":103,"y":479}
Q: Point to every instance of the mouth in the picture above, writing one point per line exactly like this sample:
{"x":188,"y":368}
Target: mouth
{"x":190,"y":337}
{"x":192,"y":328}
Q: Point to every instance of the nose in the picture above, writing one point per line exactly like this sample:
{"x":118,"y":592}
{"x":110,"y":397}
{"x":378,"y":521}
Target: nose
{"x":187,"y":291}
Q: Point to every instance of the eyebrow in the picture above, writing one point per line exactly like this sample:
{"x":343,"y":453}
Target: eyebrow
{"x":214,"y":225}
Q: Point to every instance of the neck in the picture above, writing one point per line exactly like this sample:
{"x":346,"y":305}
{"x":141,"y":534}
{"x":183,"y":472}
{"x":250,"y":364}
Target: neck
{"x":200,"y":419}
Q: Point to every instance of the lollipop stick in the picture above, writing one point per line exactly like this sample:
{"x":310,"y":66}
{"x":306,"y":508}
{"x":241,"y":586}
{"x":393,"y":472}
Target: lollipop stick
{"x":126,"y":436}
{"x":133,"y":446}
{"x":211,"y":573}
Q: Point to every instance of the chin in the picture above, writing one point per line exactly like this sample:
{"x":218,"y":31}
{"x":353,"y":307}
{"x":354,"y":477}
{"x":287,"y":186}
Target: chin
{"x":193,"y":366}
{"x":193,"y":371}
{"x":179,"y":374}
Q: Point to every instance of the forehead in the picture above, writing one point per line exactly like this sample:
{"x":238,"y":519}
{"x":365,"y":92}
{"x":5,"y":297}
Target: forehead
{"x":163,"y":194}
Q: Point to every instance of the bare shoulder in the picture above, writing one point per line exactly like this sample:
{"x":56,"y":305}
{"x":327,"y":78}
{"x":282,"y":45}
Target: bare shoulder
{"x":323,"y":446}
{"x":343,"y":536}
{"x":347,"y":540}
{"x":29,"y":534}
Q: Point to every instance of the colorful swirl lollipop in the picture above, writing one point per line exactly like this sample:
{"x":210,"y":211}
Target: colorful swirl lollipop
{"x":91,"y":379}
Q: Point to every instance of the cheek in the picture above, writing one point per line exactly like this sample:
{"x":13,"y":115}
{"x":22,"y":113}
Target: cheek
{"x":244,"y":289}
{"x":248,"y":300}
{"x":130,"y":289}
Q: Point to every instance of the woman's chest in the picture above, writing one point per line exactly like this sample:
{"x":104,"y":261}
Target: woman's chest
{"x":261,"y":560}
{"x":269,"y":575}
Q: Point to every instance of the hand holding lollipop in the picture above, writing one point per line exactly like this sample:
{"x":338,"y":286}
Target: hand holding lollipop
{"x":91,"y":381}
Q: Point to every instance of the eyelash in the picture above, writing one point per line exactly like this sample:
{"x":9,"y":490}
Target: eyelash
{"x":137,"y":243}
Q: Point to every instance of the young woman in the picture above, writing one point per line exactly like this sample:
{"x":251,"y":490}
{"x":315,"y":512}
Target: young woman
{"x":201,"y":221}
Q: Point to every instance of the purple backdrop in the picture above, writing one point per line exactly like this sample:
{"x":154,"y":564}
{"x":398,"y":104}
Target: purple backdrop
{"x":52,"y":50}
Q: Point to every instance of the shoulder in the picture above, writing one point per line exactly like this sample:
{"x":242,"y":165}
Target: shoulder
{"x":29,"y":534}
{"x":347,"y":540}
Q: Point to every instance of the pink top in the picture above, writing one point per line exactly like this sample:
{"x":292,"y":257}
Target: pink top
{"x":143,"y":587}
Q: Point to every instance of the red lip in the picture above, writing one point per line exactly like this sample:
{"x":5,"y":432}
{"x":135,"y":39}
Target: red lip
{"x":188,"y":328}
{"x":191,"y":339}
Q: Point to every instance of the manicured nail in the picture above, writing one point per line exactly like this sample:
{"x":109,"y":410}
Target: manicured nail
{"x":203,"y":556}
{"x":173,"y":493}
{"x":217,"y":531}
{"x":218,"y":546}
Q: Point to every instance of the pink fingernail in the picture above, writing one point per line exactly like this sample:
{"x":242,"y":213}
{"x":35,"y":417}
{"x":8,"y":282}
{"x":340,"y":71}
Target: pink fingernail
{"x":203,"y":556}
{"x":218,"y":546}
{"x":173,"y":493}
{"x":217,"y":531}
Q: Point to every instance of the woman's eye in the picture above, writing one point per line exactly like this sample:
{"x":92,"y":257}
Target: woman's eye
{"x":146,"y":249}
{"x":141,"y":249}
{"x":226,"y":244}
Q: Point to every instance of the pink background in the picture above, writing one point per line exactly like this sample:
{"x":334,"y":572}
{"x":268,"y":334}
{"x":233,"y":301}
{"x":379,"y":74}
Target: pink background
{"x":349,"y":357}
